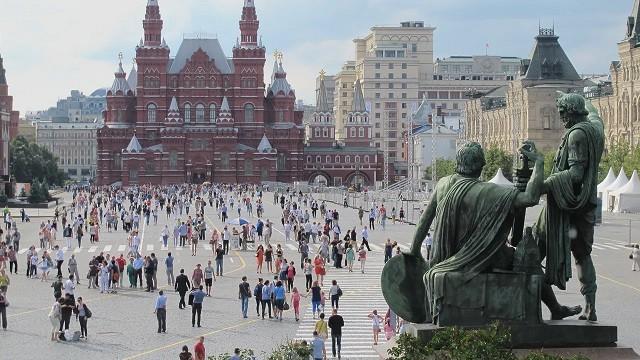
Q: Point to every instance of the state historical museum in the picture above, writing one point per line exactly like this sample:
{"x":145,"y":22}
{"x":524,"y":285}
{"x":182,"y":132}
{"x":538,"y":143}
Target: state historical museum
{"x":200,"y":116}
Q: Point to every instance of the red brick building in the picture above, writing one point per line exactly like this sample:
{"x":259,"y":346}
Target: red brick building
{"x":200,"y":116}
{"x":353,"y":161}
{"x":8,"y":128}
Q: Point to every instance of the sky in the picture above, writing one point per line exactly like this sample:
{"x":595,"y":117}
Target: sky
{"x":53,"y":46}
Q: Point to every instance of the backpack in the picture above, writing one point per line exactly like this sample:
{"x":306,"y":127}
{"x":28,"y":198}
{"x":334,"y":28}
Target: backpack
{"x":339,"y":292}
{"x":87,"y":312}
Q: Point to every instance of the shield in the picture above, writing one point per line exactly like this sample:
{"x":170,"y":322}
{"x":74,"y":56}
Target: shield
{"x":403,"y":287}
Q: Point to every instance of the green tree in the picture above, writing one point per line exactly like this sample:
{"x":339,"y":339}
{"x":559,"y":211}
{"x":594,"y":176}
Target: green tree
{"x":444,"y":168}
{"x":549,"y":156}
{"x":37,"y":194}
{"x":497,"y":158}
{"x":29,"y":161}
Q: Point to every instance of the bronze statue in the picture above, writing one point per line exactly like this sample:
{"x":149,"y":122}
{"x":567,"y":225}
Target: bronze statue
{"x":566,"y":222}
{"x":473,"y":219}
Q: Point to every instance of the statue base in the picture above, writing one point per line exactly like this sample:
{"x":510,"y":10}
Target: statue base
{"x":548,"y":334}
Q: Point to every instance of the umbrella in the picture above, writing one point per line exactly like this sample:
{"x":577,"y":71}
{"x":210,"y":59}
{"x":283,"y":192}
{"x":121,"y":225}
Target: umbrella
{"x":237,"y":221}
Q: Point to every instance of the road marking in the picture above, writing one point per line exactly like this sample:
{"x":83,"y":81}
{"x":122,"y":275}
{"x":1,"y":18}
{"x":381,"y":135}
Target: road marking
{"x":23,"y":251}
{"x":107,"y":248}
{"x":122,"y":247}
{"x":292,"y":247}
{"x":149,"y":247}
{"x":77,"y":250}
{"x":175,"y":344}
{"x":597,"y":247}
{"x":93,"y":249}
{"x":207,"y":247}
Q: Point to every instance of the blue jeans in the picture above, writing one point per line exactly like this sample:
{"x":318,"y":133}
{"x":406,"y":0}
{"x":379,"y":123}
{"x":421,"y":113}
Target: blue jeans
{"x":245,"y":305}
{"x":218,"y":266}
{"x":316,"y":306}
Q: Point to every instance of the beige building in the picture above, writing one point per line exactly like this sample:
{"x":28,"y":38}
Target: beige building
{"x":619,"y":102}
{"x":74,"y":144}
{"x":525,"y":108}
{"x":27,"y":129}
{"x":343,"y":95}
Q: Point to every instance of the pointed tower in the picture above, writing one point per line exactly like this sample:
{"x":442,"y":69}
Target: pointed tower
{"x":248,"y":62}
{"x":120,"y":98}
{"x":152,"y":24}
{"x":321,"y":131}
{"x":173,"y":114}
{"x":152,"y":58}
{"x":132,"y":78}
{"x":281,"y":97}
{"x":224,"y":116}
{"x":357,"y":127}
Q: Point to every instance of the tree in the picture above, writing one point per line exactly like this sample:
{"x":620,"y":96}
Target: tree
{"x":29,"y":161}
{"x":549,"y":156}
{"x":38,"y":193}
{"x":444,"y":168}
{"x":497,"y":158}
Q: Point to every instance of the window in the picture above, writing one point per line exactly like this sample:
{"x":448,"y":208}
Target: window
{"x":151,"y":113}
{"x":390,"y":75}
{"x":377,"y":86}
{"x":404,"y":95}
{"x":390,"y":95}
{"x":280,"y":116}
{"x":403,"y":105}
{"x":377,"y":66}
{"x":377,"y":105}
{"x":173,"y":160}
{"x":248,"y":113}
{"x":404,"y":75}
{"x":361,"y":132}
{"x":455,"y":106}
{"x":390,"y":66}
{"x":400,"y":53}
{"x":224,"y":160}
{"x":357,"y":158}
{"x":377,"y":95}
{"x":187,"y":113}
{"x":352,"y":132}
{"x":390,"y":53}
{"x":377,"y":117}
{"x":316,"y":132}
{"x":212,"y":113}
{"x":443,"y":95}
{"x":366,"y":159}
{"x":248,"y":167}
{"x":327,"y":159}
{"x":379,"y":53}
{"x":390,"y":85}
{"x":414,"y":47}
{"x":347,"y":159}
{"x":117,"y":161}
{"x":377,"y":75}
{"x":404,"y":66}
{"x":344,"y":94}
{"x":133,"y":175}
{"x":200,"y":113}
{"x":149,"y":167}
{"x":325,"y":132}
{"x":318,"y":159}
{"x":200,"y":82}
{"x":337,"y":159}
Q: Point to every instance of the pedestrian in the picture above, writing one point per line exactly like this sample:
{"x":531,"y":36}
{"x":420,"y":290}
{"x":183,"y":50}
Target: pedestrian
{"x":82,"y":314}
{"x":138,"y":264}
{"x":317,"y":347}
{"x":295,"y":302}
{"x":131,"y":272}
{"x":280,"y":296}
{"x":257,"y":294}
{"x":199,"y":350}
{"x":635,"y":257}
{"x":121,"y":263}
{"x":148,"y":273}
{"x":209,"y":277}
{"x":196,"y":306}
{"x":12,"y":254}
{"x":335,"y":292}
{"x":55,"y":316}
{"x":93,"y":272}
{"x":57,"y":287}
{"x":351,"y":257}
{"x":266,"y":298}
{"x":365,"y":238}
{"x":236,"y":354}
{"x":336,"y":322}
{"x":362,"y":257}
{"x":168,"y":262}
{"x":321,"y":327}
{"x":244,"y":294}
{"x":376,"y":321}
{"x":154,"y":261}
{"x":197,"y":276}
{"x":66,"y":309}
{"x":291,"y":275}
{"x":185,"y":354}
{"x":315,"y":298}
{"x":219,"y":260}
{"x":268,"y":258}
{"x":69,"y":287}
{"x":259,"y":259}
{"x":72,"y":267}
{"x":160,"y":310}
{"x":182,"y":286}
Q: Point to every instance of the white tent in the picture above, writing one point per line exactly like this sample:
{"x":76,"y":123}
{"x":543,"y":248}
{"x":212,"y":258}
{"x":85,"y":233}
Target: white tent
{"x":621,"y":181}
{"x":611,"y":177}
{"x":627,"y":198}
{"x":499,"y":179}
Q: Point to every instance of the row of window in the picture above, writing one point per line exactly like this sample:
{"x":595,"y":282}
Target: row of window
{"x":391,"y":95}
{"x":224,"y":163}
{"x":391,"y":66}
{"x":390,"y":76}
{"x":391,"y":85}
{"x":200,"y":114}
{"x":337,"y":158}
{"x":390,"y":53}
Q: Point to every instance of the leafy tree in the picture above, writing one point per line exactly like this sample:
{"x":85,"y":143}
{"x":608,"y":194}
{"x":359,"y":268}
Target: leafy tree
{"x":29,"y":161}
{"x":497,"y":158}
{"x":549,"y":156}
{"x":444,"y":168}
{"x":37,"y":194}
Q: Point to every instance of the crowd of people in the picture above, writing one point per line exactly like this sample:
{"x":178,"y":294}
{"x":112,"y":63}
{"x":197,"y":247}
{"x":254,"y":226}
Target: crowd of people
{"x":310,"y":224}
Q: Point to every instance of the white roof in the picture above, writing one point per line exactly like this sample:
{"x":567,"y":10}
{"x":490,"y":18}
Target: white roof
{"x":134,"y":145}
{"x":265,"y":145}
{"x":499,"y":179}
{"x":225,"y":106}
{"x":621,"y":181}
{"x":632,"y":186}
{"x":611,"y":177}
{"x":174,"y":105}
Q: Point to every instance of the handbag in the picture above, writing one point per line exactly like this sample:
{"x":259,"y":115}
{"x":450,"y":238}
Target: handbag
{"x":339,"y":292}
{"x":631,"y":256}
{"x":286,"y":306}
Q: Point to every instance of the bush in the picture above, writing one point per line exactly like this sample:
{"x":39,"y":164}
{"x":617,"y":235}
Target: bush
{"x":291,"y":350}
{"x":245,"y":354}
{"x":453,"y":343}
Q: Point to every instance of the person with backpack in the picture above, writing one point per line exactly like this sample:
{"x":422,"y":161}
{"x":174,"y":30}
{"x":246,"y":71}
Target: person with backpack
{"x":335,"y":293}
{"x":82,"y":314}
{"x":244,"y":294}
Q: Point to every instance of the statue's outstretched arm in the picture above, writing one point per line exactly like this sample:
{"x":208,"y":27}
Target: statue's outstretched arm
{"x":531,"y":196}
{"x":424,"y":224}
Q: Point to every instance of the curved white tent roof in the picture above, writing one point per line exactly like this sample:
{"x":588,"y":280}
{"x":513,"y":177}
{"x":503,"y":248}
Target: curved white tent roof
{"x":621,"y":181}
{"x":499,"y":179}
{"x":611,"y":177}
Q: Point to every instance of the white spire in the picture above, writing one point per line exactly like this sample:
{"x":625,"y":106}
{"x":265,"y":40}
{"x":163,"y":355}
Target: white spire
{"x":265,"y":145}
{"x":134,"y":145}
{"x":152,"y":3}
{"x":225,"y":106}
{"x":249,"y":3}
{"x":174,"y":105}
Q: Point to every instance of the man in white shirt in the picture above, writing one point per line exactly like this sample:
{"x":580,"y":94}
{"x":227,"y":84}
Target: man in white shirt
{"x":428,"y":241}
{"x":226,"y":236}
{"x":59,"y":259}
{"x":69,"y":287}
